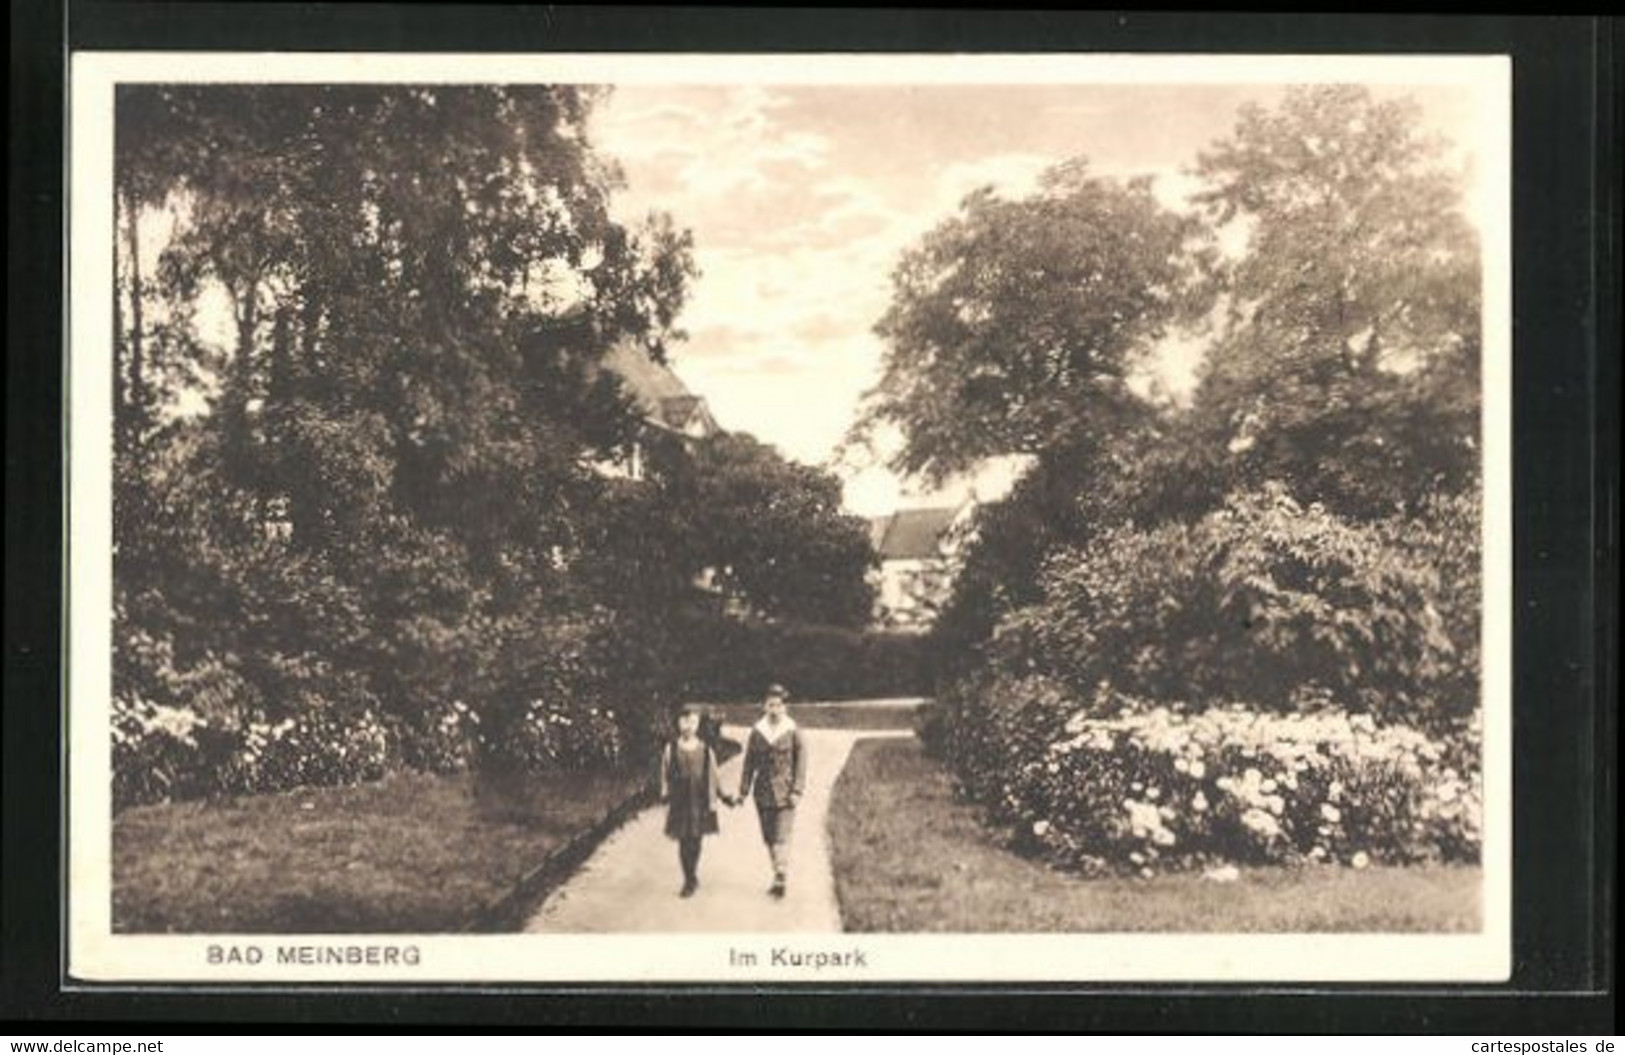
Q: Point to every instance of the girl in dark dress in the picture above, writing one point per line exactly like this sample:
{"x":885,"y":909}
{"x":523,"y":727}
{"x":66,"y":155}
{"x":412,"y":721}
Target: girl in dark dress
{"x":688,"y":786}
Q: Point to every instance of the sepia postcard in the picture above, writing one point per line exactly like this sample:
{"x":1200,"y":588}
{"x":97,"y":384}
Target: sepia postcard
{"x":813,"y":519}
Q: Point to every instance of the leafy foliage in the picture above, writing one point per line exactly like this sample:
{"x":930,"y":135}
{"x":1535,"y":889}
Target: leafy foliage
{"x":1017,"y":323}
{"x":1347,"y":358}
{"x":376,"y":507}
{"x":773,"y":531}
{"x":377,"y":513}
{"x":733,"y":659}
{"x":1303,"y":535}
{"x":1263,"y":601}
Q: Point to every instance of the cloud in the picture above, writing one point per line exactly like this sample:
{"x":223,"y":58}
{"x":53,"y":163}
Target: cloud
{"x":795,"y":242}
{"x":699,"y":156}
{"x":1011,"y":175}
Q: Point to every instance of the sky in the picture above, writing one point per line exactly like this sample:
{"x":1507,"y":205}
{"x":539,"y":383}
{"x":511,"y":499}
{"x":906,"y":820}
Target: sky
{"x":802,"y":198}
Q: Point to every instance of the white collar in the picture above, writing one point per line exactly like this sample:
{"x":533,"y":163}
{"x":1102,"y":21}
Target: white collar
{"x":787,"y":725}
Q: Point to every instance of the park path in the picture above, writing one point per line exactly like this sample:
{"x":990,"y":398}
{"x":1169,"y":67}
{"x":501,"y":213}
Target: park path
{"x":630,"y":883}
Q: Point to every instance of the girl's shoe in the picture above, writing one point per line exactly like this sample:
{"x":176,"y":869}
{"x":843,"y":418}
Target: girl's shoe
{"x":689,"y":886}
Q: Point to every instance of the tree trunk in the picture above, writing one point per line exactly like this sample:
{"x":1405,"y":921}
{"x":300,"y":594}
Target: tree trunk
{"x":137,"y":386}
{"x":121,"y":394}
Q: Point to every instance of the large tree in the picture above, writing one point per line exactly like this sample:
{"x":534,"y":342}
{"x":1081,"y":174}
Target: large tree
{"x":1015,"y":325}
{"x":772,"y":532}
{"x":401,"y":428}
{"x":1347,"y":363}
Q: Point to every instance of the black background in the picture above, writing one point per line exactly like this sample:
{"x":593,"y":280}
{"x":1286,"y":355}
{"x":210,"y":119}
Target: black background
{"x":1566,"y":244}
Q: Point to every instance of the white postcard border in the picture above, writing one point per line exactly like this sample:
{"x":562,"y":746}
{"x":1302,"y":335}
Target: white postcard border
{"x":95,"y":954}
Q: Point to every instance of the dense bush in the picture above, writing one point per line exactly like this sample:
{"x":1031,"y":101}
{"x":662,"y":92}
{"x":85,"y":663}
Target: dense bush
{"x":163,"y":753}
{"x":1121,"y":785}
{"x":317,"y":749}
{"x":556,"y":738}
{"x":1300,"y":531}
{"x":724,"y":658}
{"x":387,"y":501}
{"x":1263,"y":601}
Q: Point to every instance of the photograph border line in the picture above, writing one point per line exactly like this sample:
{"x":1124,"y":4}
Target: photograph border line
{"x":97,"y":956}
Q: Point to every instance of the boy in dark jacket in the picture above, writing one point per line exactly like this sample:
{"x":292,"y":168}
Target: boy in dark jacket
{"x":775,"y":771}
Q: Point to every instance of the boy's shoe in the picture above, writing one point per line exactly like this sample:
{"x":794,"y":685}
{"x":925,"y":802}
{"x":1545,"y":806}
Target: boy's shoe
{"x":777,"y":889}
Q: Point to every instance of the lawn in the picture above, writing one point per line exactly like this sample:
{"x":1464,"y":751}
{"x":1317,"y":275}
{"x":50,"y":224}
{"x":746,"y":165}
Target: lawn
{"x":412,"y":853}
{"x":909,"y":857}
{"x":878,"y":714}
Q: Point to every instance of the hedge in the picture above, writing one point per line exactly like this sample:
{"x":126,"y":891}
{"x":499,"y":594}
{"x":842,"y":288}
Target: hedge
{"x":724,"y":658}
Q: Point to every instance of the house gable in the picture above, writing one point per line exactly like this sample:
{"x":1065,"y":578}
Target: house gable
{"x":663,"y":401}
{"x":918,"y":552}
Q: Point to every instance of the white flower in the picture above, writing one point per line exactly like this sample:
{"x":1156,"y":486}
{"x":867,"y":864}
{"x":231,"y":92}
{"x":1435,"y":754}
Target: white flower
{"x":1198,"y":769}
{"x":1142,"y":817}
{"x":1199,"y":803}
{"x":1261,"y":822}
{"x":1040,"y":828}
{"x":1360,"y":860}
{"x":1330,"y":812}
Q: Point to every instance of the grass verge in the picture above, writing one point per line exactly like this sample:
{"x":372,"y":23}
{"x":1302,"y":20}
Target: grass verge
{"x":925,"y":863}
{"x":412,"y":853}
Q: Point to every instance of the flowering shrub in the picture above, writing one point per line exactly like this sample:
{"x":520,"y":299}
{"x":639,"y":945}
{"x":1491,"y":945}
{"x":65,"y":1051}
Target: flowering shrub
{"x":1122,"y":786}
{"x":165,"y":753}
{"x":157,"y":752}
{"x":316,"y":749}
{"x":444,"y":740}
{"x":551,"y":737}
{"x":1263,"y":600}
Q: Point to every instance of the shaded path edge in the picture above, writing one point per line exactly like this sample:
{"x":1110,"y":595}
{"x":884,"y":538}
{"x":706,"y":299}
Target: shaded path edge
{"x":509,"y":912}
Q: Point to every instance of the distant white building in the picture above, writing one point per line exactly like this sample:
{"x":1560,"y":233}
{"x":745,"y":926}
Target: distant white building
{"x":919,"y":553}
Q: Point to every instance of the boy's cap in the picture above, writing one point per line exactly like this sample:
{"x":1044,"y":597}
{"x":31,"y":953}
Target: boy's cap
{"x":776,"y":689}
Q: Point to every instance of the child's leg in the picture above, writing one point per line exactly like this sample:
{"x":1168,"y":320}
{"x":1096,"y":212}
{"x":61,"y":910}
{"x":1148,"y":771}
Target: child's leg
{"x":781,"y":860}
{"x":784,"y":824}
{"x":688,"y":852}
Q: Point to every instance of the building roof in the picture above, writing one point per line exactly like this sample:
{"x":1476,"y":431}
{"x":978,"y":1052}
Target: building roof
{"x":687,"y":414}
{"x":658,"y":392}
{"x":878,"y":526}
{"x":912,"y":534}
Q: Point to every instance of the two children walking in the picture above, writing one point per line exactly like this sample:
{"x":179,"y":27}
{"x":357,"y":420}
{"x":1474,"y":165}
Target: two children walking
{"x":774,"y":774}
